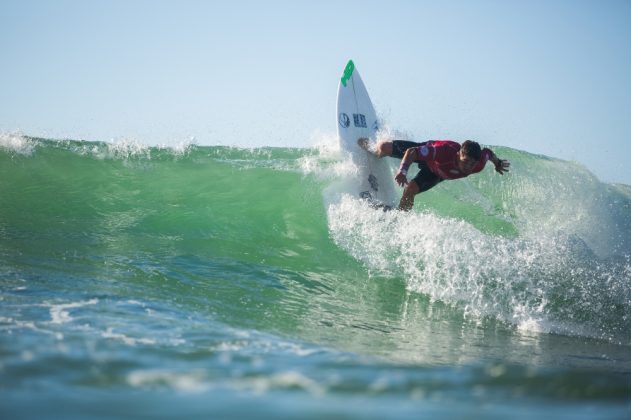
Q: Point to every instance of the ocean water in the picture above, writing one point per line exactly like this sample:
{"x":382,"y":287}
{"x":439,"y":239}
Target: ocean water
{"x":209,"y":282}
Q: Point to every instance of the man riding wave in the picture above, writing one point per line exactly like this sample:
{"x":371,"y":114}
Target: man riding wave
{"x":438,"y":160}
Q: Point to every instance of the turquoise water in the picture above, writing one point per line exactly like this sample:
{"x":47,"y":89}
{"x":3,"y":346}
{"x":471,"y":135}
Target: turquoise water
{"x":206,"y":282}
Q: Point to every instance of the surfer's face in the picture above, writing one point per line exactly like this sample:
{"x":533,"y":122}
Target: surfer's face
{"x":465,"y":163}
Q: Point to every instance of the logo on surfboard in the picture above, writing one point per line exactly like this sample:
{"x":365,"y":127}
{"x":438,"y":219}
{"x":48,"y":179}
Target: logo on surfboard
{"x":373,"y":182}
{"x":344,"y":120}
{"x":359,"y":120}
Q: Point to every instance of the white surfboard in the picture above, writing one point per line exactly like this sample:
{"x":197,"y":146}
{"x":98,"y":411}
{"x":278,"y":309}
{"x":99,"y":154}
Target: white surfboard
{"x":356,"y":118}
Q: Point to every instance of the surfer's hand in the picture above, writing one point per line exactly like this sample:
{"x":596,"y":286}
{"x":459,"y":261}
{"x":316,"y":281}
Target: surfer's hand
{"x":502,"y":166}
{"x":401,"y":179}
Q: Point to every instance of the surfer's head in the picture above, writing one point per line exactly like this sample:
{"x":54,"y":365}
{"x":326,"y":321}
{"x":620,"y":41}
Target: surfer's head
{"x":469,"y":155}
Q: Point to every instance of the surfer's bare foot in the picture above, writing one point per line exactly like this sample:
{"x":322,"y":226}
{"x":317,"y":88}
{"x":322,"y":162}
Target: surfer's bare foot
{"x":364,"y":144}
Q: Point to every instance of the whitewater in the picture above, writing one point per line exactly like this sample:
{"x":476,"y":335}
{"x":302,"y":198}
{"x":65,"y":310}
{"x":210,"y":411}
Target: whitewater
{"x":201,"y":281}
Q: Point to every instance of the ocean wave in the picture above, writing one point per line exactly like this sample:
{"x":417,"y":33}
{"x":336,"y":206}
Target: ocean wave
{"x":545,"y":248}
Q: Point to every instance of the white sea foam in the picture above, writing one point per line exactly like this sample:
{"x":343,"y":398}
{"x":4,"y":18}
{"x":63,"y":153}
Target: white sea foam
{"x":282,"y":380}
{"x":328,"y":161}
{"x":59,"y":312}
{"x":130,"y":341}
{"x":17,"y":143}
{"x":198,"y":381}
{"x":517,"y":280}
{"x":181,"y":148}
{"x":127,"y":148}
{"x":189,"y":382}
{"x":264,"y":345}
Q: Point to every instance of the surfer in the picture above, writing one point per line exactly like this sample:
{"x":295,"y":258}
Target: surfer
{"x":438,"y":160}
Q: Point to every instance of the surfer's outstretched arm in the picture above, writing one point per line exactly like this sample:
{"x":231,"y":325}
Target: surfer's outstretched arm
{"x":501,"y":165}
{"x":409,"y":157}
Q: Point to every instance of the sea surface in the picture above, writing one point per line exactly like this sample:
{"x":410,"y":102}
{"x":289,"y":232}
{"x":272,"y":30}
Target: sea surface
{"x":213,"y":282}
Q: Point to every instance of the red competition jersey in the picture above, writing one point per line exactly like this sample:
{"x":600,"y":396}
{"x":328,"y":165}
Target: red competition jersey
{"x":440,"y":156}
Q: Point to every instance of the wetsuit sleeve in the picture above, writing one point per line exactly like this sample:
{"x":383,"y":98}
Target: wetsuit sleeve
{"x":485,"y":156}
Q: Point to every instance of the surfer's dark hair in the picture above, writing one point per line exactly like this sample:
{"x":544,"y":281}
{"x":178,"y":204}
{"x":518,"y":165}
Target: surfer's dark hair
{"x":472,"y":149}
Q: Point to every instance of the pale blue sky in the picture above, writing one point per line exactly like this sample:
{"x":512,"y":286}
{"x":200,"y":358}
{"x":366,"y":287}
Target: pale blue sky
{"x":549,"y":77}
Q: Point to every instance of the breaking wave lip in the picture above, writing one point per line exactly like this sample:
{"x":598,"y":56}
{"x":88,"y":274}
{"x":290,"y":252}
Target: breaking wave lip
{"x":124,"y":148}
{"x":17,"y":143}
{"x":545,"y":284}
{"x":116,"y":149}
